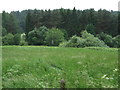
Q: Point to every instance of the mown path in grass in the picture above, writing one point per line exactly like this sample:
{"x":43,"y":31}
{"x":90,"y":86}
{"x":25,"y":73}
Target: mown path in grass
{"x":44,"y":67}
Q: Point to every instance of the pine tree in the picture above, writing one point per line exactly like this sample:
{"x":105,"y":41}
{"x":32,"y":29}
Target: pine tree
{"x":29,"y":25}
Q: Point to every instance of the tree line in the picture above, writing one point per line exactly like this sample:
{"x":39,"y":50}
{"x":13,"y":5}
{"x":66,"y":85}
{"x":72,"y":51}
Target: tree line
{"x":69,"y":22}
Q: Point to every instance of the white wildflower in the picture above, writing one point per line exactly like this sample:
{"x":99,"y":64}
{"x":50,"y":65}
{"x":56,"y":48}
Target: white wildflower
{"x":104,"y":76}
{"x":111,"y":78}
{"x":115,"y":70}
{"x":107,"y":78}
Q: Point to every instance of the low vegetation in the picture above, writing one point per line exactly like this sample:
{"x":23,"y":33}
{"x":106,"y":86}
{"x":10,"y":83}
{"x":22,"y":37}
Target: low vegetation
{"x":45,"y":67}
{"x":86,"y":40}
{"x":58,"y":37}
{"x":77,"y":47}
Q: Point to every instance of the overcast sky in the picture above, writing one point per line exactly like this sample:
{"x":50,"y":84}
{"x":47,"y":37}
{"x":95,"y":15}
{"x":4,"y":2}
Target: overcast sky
{"x":15,"y":5}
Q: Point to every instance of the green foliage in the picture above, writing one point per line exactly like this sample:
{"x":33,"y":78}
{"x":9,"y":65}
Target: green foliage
{"x":37,"y":36}
{"x":23,"y":43}
{"x":74,"y":41}
{"x":28,"y":23}
{"x":90,"y":29}
{"x":63,"y":44}
{"x":0,"y":40}
{"x":10,"y":23}
{"x":8,"y":39}
{"x":86,"y":40}
{"x":106,"y":38}
{"x":4,"y":31}
{"x":65,"y":34}
{"x":17,"y":38}
{"x":44,"y":67}
{"x":116,"y":41}
{"x":90,"y":40}
{"x":54,"y":36}
{"x":32,"y":39}
{"x":70,"y":22}
{"x":73,"y":21}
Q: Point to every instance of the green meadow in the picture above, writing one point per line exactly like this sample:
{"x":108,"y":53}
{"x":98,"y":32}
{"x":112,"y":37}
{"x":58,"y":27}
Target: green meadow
{"x":45,"y":67}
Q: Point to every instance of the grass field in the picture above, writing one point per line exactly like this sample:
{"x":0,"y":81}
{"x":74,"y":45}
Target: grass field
{"x":44,"y":67}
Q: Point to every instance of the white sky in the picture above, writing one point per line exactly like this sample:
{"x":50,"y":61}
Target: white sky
{"x":15,"y":5}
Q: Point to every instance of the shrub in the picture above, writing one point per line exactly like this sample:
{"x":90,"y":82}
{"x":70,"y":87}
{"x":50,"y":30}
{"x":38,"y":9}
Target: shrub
{"x":106,"y":38}
{"x":73,"y":42}
{"x":76,"y":41}
{"x":90,"y":40}
{"x":32,"y":39}
{"x":116,"y":41}
{"x":81,"y":42}
{"x":37,"y":36}
{"x":8,"y":39}
{"x":23,"y":43}
{"x":63,"y":44}
{"x":86,"y":40}
{"x":54,"y":36}
{"x":17,"y":38}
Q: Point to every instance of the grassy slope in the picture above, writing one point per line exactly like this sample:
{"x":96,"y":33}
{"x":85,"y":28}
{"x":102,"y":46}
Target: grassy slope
{"x":44,"y":67}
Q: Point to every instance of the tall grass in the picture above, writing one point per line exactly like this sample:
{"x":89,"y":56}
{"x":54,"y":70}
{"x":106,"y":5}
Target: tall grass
{"x":44,"y":67}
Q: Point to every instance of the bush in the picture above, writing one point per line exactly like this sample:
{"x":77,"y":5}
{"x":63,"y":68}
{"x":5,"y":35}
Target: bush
{"x":32,"y":38}
{"x":54,"y":37}
{"x":17,"y":38}
{"x":76,"y":41}
{"x":106,"y":38}
{"x":8,"y":39}
{"x":90,"y":40}
{"x":63,"y":44}
{"x":116,"y":41}
{"x":73,"y":42}
{"x":86,"y":40}
{"x":81,"y":42}
{"x":37,"y":36}
{"x":11,"y":39}
{"x":23,"y":43}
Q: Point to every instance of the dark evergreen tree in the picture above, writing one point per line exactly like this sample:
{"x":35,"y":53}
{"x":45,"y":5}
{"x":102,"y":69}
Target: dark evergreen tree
{"x":119,"y":23}
{"x":29,"y":25}
{"x":103,"y":21}
{"x":10,"y":23}
{"x":75,"y":25}
{"x":73,"y":21}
